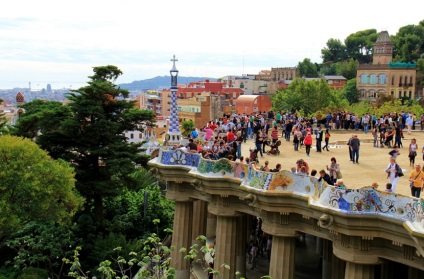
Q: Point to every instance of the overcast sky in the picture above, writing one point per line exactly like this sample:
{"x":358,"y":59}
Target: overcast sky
{"x":58,"y":42}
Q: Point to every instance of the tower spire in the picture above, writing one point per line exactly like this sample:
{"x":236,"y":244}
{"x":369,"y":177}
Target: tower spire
{"x":174,"y":134}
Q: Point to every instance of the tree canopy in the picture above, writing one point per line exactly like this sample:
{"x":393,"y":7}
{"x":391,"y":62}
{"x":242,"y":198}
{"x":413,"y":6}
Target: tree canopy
{"x":33,"y":186}
{"x":307,"y":69}
{"x":89,"y":132}
{"x":306,"y":96}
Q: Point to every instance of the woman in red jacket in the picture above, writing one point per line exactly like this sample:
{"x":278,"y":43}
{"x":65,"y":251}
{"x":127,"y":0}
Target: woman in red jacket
{"x":307,"y":141}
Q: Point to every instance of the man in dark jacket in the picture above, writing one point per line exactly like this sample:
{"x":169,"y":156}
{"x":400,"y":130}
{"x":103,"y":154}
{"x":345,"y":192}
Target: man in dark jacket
{"x":326,"y":177}
{"x":354,"y":148}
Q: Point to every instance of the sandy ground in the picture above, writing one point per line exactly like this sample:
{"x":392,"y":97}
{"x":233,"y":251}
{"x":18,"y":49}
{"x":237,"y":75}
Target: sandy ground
{"x":372,"y":161}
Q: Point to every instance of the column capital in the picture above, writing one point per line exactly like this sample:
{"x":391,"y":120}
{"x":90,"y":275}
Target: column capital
{"x":278,"y":225}
{"x":221,"y":206}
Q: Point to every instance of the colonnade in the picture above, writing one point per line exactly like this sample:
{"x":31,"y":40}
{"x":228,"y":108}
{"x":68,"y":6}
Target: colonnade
{"x":230,"y":229}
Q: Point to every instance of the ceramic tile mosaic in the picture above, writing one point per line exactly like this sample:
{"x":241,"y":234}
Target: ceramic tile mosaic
{"x":366,"y":200}
{"x":370,"y":201}
{"x":179,"y":157}
{"x":223,"y":167}
{"x":282,"y":181}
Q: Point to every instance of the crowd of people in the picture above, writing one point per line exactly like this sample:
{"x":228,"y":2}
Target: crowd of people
{"x":224,"y":137}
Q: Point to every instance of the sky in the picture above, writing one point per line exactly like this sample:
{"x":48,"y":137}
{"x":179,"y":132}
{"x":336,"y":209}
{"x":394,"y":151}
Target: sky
{"x":59,"y":42}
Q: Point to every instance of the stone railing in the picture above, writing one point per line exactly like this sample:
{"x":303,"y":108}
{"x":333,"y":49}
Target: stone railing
{"x":365,"y":201}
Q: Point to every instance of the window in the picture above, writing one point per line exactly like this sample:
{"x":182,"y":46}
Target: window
{"x":372,"y":79}
{"x":131,"y":136}
{"x":410,"y":94}
{"x":382,"y":79}
{"x":400,"y":81}
{"x":410,"y":81}
{"x":364,"y":79}
{"x":393,"y":80}
{"x":363,"y":93}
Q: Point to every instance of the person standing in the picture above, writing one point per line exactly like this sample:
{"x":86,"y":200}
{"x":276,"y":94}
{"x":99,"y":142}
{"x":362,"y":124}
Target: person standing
{"x":258,"y":142}
{"x":307,"y":141}
{"x":333,"y":169}
{"x":409,"y":122}
{"x":412,"y":152}
{"x":393,"y":170}
{"x":416,"y":181}
{"x":254,"y":254}
{"x":327,"y":139}
{"x":354,"y":148}
{"x":319,"y":139}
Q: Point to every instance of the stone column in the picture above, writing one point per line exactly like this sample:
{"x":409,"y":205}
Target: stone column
{"x":210,"y":225}
{"x":199,"y":223}
{"x":414,"y":273}
{"x":183,"y":223}
{"x":241,"y":245}
{"x":359,"y":271}
{"x":338,"y":268}
{"x":282,"y":257}
{"x":225,"y":251}
{"x":327,"y":257}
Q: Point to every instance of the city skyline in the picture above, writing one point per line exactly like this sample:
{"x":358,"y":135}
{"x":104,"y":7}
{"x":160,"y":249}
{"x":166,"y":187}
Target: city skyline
{"x":47,"y":43}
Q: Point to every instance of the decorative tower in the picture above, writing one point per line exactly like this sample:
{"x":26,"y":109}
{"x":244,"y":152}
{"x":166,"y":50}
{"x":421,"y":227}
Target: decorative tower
{"x":174,"y":134}
{"x":383,"y":49}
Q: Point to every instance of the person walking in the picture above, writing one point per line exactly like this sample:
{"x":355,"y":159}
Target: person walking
{"x":308,"y":143}
{"x":393,"y":170}
{"x":354,"y":148}
{"x":326,"y":139}
{"x":416,"y":181}
{"x":412,"y":152}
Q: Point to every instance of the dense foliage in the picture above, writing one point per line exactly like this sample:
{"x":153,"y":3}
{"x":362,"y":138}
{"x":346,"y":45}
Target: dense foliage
{"x":33,"y":186}
{"x":121,"y":197}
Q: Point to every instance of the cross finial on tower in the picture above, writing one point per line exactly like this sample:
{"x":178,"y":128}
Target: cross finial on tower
{"x":174,"y":60}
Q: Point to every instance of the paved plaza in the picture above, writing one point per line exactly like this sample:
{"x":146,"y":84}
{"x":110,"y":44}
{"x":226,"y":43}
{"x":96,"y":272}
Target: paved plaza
{"x":372,"y":161}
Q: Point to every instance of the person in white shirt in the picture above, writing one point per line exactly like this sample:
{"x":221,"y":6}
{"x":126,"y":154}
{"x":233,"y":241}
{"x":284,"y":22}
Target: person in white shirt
{"x":393,"y":170}
{"x":409,"y":122}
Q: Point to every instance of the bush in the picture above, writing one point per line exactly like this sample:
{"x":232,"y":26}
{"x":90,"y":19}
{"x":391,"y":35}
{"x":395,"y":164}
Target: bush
{"x":33,"y":273}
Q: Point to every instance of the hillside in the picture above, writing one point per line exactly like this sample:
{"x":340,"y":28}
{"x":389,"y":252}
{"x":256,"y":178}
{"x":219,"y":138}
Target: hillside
{"x":159,"y":82}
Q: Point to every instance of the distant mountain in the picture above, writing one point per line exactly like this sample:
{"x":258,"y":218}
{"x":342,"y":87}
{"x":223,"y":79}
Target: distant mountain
{"x":159,"y":83}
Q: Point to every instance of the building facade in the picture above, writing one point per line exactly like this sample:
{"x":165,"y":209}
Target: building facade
{"x":383,"y":77}
{"x":284,"y":73}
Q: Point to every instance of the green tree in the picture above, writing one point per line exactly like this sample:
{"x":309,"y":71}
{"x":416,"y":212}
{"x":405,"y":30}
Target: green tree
{"x":91,"y":136}
{"x":408,"y":43}
{"x":42,"y":245}
{"x":350,"y":92}
{"x":306,"y":96}
{"x":41,"y":117}
{"x":359,"y":45}
{"x":33,"y":186}
{"x":95,"y":134}
{"x":347,"y":68}
{"x":420,"y":72}
{"x":187,"y":127}
{"x":334,"y":52}
{"x":307,"y":69}
{"x":4,"y":128}
{"x":131,"y":208}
